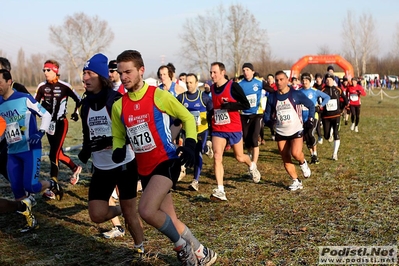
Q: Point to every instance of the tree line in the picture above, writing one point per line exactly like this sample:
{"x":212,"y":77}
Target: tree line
{"x":80,"y":36}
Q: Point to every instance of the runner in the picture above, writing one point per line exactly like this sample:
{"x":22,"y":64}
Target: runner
{"x":332,"y":112}
{"x":228,"y":98}
{"x":24,"y":146}
{"x":53,"y":94}
{"x":200,"y":105}
{"x":143,"y":113}
{"x":284,"y":106}
{"x":353,"y":93}
{"x":252,"y":118}
{"x":97,"y":143}
{"x":308,"y":132}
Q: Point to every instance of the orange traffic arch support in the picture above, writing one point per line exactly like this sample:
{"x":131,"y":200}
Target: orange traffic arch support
{"x":322,"y":59}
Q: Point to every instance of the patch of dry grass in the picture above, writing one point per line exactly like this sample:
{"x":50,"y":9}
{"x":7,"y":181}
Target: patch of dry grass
{"x":349,"y":202}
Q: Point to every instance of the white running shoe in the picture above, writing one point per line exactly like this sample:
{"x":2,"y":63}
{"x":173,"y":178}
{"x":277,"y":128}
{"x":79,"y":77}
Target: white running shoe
{"x":320,"y":141}
{"x":335,"y":157}
{"x":297,"y":184}
{"x":255,"y":174}
{"x":182,"y":173}
{"x":305,"y":169}
{"x":75,"y":176}
{"x":194,"y":185}
{"x":114,"y":232}
{"x":48,"y":194}
{"x":353,"y":126}
{"x":209,"y":151}
{"x":356,"y":129}
{"x":218,"y":195}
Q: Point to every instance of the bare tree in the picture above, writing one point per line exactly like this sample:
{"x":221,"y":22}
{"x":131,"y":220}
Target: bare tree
{"x":79,"y":37}
{"x":20,"y":68}
{"x":395,"y":48}
{"x":359,"y":40}
{"x":231,"y":33}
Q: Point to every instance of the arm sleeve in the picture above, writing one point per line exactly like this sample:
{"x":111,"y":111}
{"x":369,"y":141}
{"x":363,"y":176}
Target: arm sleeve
{"x":170,"y":105}
{"x":303,"y":99}
{"x":37,"y":109}
{"x":266,"y":87}
{"x":267,"y":116}
{"x":238,"y":94}
{"x":344,"y":97}
{"x":118,"y":129}
{"x":324,"y":96}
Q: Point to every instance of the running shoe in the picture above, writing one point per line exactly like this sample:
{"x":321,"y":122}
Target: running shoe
{"x":209,"y":259}
{"x":194,"y":185}
{"x":218,"y":195}
{"x":353,"y":126}
{"x":255,"y":174}
{"x":186,"y":255}
{"x":335,"y":157}
{"x":48,"y":194}
{"x":228,"y":147}
{"x":297,"y":184}
{"x":356,"y":129}
{"x":182,"y":173}
{"x":320,"y":141}
{"x":56,"y":189}
{"x":75,"y":176}
{"x":305,"y":169}
{"x":114,"y":232}
{"x":314,"y":159}
{"x":209,"y":152}
{"x":31,"y":222}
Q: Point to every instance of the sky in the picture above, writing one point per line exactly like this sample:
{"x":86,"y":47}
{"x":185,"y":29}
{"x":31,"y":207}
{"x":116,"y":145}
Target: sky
{"x":294,"y":28}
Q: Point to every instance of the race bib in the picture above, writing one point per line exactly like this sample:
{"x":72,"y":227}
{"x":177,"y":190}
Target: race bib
{"x":197,"y":117}
{"x":332,"y":105}
{"x":252,"y":99}
{"x":221,"y":117}
{"x":13,"y":133}
{"x":51,"y":128}
{"x":141,"y":138}
{"x":354,"y":97}
{"x":285,"y":116}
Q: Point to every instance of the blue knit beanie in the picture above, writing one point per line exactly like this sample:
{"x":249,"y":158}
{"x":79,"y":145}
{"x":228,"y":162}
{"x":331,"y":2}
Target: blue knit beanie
{"x":98,"y":64}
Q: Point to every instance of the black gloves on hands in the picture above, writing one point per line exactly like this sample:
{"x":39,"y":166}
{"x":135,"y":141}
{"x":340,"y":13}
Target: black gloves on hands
{"x":84,"y":155}
{"x":100,"y":143}
{"x":310,"y":123}
{"x":177,"y":122}
{"x":75,"y":117}
{"x":187,"y":152}
{"x":225,"y":105}
{"x":119,"y":154}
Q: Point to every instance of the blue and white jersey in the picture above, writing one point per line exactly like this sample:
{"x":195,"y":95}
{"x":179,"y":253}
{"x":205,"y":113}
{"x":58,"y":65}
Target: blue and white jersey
{"x":172,"y":89}
{"x":314,"y":95}
{"x":20,"y":111}
{"x":253,"y":92}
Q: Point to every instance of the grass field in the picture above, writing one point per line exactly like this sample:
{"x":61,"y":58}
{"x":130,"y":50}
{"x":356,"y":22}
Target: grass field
{"x":352,"y":201}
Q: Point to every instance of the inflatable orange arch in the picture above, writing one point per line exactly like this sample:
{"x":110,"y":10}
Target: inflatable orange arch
{"x":322,"y":59}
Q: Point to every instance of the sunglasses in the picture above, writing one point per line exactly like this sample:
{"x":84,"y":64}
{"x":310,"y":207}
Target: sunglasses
{"x":112,"y":70}
{"x":46,"y":69}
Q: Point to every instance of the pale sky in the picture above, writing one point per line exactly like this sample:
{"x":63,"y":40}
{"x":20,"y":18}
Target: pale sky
{"x":295,"y":28}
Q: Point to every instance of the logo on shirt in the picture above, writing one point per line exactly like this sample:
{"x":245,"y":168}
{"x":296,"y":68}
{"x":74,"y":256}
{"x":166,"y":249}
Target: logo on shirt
{"x":136,"y":106}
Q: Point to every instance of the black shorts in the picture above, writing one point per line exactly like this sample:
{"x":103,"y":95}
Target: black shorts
{"x":251,"y":126}
{"x":169,"y":168}
{"x":103,"y":182}
{"x":297,"y":135}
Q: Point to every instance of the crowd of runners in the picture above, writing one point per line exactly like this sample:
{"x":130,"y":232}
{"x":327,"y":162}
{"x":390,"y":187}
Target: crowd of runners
{"x":142,"y":138}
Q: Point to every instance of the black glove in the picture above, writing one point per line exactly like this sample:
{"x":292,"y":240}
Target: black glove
{"x":119,"y":154}
{"x":100,"y":143}
{"x":225,"y":105}
{"x":187,"y":152}
{"x":84,"y":155}
{"x":310,"y":123}
{"x":75,"y":116}
{"x":177,"y":122}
